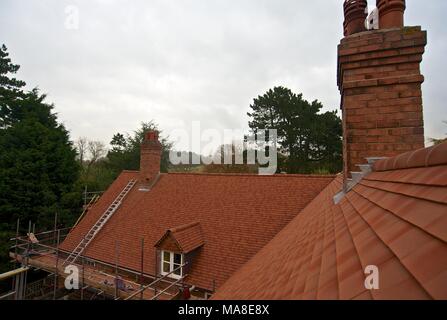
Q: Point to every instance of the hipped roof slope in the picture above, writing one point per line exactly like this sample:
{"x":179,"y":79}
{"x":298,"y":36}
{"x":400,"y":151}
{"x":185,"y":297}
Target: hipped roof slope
{"x":395,"y":219}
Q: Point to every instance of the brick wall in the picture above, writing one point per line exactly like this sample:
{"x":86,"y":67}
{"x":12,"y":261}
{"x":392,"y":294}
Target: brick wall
{"x":380,"y":83}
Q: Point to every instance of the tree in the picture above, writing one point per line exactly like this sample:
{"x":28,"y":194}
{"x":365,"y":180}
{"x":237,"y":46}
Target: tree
{"x":118,"y":143}
{"x":38,"y":167}
{"x":125,"y":152}
{"x":96,"y":174}
{"x":81,"y":147}
{"x":310,"y":140}
{"x":11,"y":92}
{"x":97,"y":150}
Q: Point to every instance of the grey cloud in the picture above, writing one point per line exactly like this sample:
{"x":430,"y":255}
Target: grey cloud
{"x":181,"y":61}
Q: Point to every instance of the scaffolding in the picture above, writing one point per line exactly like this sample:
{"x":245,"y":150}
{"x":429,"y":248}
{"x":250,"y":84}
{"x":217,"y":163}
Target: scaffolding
{"x":87,"y":207}
{"x":42,"y":251}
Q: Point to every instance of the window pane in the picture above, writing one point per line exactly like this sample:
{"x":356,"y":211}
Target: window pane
{"x":177,"y":272}
{"x":166,"y":256}
{"x":166,"y":267}
{"x":177,"y":258}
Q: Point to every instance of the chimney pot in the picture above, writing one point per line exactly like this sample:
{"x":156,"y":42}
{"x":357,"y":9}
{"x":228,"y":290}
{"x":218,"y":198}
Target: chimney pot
{"x":355,"y":16}
{"x":151,"y":136}
{"x":391,"y":13}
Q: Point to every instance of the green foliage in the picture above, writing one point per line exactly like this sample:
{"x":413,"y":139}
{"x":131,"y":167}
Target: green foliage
{"x":11,"y":93}
{"x":99,"y":170}
{"x":308,"y":139}
{"x":125,"y":152}
{"x":38,"y":169}
{"x":98,"y":178}
{"x":95,"y":174}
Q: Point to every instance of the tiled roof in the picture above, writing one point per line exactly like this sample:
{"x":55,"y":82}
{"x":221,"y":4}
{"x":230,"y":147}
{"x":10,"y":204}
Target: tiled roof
{"x":395,"y":219}
{"x":188,"y":237}
{"x":427,"y":157}
{"x":238,"y":215}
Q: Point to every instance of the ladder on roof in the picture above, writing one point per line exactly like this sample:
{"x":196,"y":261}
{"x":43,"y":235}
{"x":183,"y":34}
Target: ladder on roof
{"x":99,"y":224}
{"x":86,"y":209}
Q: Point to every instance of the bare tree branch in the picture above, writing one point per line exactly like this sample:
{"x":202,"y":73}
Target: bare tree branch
{"x":81,"y":147}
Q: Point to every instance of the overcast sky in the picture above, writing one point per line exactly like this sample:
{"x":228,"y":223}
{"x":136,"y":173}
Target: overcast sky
{"x":192,"y":60}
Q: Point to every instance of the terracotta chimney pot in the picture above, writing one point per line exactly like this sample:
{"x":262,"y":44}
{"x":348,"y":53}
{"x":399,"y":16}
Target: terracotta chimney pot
{"x":355,"y":15}
{"x":391,"y":13}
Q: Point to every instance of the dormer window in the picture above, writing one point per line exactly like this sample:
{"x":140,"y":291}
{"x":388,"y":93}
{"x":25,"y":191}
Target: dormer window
{"x":171,"y":262}
{"x":177,"y":249}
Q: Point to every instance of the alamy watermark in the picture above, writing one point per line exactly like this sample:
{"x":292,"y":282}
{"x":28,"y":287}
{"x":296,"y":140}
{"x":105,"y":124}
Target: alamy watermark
{"x":72,"y":280}
{"x":259,"y":148}
{"x":372,"y":279}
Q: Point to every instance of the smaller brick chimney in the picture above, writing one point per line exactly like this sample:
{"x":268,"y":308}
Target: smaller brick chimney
{"x":150,"y":158}
{"x":391,"y":13}
{"x":355,"y":15}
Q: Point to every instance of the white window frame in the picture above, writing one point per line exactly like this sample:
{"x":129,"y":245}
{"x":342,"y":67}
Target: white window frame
{"x":171,"y":264}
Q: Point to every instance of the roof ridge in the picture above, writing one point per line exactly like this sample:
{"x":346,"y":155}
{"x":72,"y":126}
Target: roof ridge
{"x":254,"y":175}
{"x":429,"y":153}
{"x":333,"y":208}
{"x":307,"y":250}
{"x":354,"y":242}
{"x":324,"y":253}
{"x":349,"y":232}
{"x":412,"y":176}
{"x":426,"y":157}
{"x":317,"y":247}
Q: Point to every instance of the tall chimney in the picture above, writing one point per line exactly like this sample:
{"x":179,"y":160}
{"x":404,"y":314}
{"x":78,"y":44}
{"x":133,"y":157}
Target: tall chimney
{"x":380,"y":81}
{"x":391,"y":13}
{"x":150,"y":157}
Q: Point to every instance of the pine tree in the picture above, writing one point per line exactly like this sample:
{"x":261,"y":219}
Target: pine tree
{"x":11,"y":92}
{"x":310,"y":140}
{"x":38,"y":168}
{"x":125,"y":152}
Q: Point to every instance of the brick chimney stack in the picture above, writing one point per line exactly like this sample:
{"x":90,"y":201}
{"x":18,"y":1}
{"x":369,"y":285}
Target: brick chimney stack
{"x":379,"y":79}
{"x":150,"y":158}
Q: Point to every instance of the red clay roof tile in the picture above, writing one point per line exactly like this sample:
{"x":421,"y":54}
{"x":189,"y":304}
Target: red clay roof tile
{"x":427,"y":157}
{"x":395,"y":219}
{"x":238,"y":215}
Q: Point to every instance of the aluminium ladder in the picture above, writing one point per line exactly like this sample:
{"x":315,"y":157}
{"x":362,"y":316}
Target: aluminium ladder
{"x":99,"y":224}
